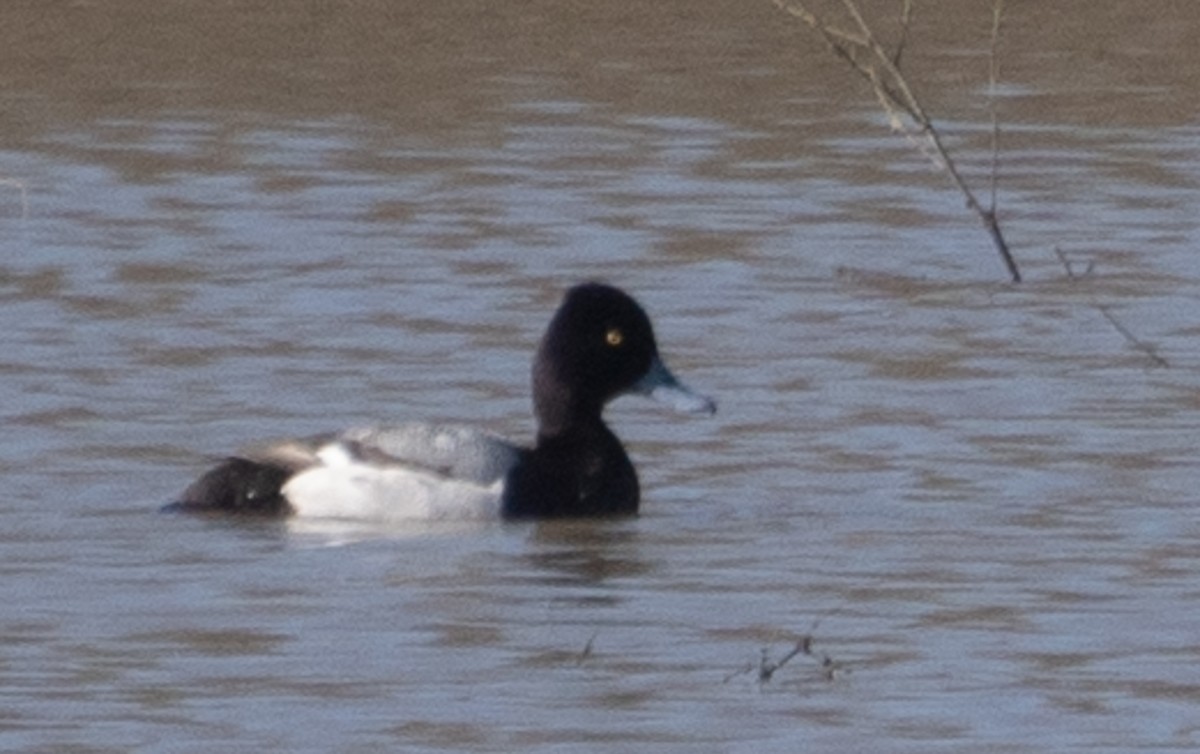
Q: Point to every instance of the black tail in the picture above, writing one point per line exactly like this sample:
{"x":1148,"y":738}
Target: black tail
{"x":236,"y":485}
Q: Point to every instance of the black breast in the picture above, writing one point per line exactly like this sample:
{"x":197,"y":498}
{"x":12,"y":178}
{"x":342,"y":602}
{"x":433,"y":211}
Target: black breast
{"x":572,"y":477}
{"x":237,"y":485}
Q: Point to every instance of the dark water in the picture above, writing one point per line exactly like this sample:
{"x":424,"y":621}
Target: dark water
{"x":975,"y":500}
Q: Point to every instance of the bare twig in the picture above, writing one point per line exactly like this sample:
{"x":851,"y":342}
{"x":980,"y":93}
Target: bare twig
{"x":993,"y":76}
{"x":863,"y":52}
{"x":1133,"y":340}
{"x":766,"y":667}
{"x":1066,"y":263}
{"x":586,"y":652}
{"x":905,"y":20}
{"x":1148,"y":349}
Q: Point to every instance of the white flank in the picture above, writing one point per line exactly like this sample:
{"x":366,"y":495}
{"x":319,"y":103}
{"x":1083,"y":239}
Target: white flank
{"x":349,"y":489}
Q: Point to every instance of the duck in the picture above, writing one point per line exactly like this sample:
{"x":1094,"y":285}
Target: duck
{"x":599,"y":345}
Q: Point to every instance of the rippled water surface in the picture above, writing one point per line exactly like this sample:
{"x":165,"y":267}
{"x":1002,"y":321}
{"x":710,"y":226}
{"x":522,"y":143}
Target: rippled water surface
{"x":936,"y":511}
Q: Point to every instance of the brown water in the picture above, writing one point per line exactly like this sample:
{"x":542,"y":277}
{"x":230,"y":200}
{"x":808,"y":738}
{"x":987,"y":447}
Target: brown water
{"x":219,"y":223}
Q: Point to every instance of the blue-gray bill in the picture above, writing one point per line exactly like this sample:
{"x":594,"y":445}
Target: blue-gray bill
{"x":660,"y":385}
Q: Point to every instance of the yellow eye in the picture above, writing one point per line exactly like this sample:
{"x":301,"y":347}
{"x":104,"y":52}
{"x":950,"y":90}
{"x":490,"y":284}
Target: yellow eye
{"x":614,"y":337}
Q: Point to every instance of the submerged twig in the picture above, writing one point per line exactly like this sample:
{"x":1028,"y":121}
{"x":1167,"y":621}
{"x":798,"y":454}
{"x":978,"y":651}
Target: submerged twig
{"x":766,"y":667}
{"x":1148,"y":349}
{"x":1133,"y":340}
{"x":586,"y":652}
{"x":863,"y":52}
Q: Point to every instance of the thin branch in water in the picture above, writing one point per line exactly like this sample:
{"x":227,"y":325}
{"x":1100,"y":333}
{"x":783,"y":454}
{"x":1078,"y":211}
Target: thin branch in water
{"x":863,"y":52}
{"x":1133,"y":340}
{"x":1066,"y":263}
{"x":993,"y":76}
{"x":766,"y":667}
{"x":586,"y":652}
{"x":905,"y":20}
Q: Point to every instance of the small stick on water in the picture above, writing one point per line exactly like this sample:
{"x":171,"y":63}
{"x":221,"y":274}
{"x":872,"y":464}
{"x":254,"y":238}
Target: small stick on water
{"x":586,"y":652}
{"x":1133,"y":340}
{"x":766,"y":667}
{"x":862,"y":52}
